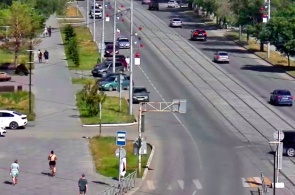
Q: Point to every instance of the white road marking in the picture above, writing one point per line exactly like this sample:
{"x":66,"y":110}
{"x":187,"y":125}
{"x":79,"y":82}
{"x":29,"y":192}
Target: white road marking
{"x":257,"y":180}
{"x":244,"y":182}
{"x":150,"y":184}
{"x":194,"y":192}
{"x":197,"y":184}
{"x":190,"y":135}
{"x":180,"y":183}
{"x":169,"y":188}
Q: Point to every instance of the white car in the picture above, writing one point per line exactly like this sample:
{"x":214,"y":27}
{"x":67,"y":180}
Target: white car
{"x":98,"y":14}
{"x":2,"y":129}
{"x":13,"y":120}
{"x":221,"y":56}
{"x":98,"y":6}
{"x":172,"y":4}
{"x":175,"y":22}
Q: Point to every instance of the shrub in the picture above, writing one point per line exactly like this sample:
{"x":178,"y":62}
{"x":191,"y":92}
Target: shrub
{"x":69,"y":32}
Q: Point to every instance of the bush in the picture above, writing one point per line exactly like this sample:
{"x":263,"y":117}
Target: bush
{"x":73,"y":51}
{"x":69,"y":32}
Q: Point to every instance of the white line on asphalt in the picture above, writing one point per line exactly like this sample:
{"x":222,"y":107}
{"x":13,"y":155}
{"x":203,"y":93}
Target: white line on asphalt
{"x":148,"y":163}
{"x":194,"y":192}
{"x":244,"y":182}
{"x":197,"y":184}
{"x":169,"y":188}
{"x":180,"y":183}
{"x":190,"y":135}
{"x":150,"y":184}
{"x":257,"y":180}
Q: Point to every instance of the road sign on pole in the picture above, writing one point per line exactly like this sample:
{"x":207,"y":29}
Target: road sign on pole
{"x":278,"y":135}
{"x":121,"y":138}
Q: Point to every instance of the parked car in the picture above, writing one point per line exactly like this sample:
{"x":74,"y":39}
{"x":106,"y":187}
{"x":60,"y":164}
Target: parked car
{"x":102,"y":71}
{"x":111,"y":83}
{"x":97,"y":14}
{"x":140,"y":94}
{"x":4,"y":76}
{"x":154,"y":5}
{"x":21,"y":70}
{"x":281,"y":97}
{"x":12,"y":119}
{"x":289,"y":143}
{"x":2,"y":129}
{"x":146,"y":1}
{"x":172,"y":4}
{"x":221,"y":56}
{"x":109,"y":50}
{"x":114,"y":74}
{"x":123,"y":43}
{"x":175,"y":22}
{"x":198,"y":34}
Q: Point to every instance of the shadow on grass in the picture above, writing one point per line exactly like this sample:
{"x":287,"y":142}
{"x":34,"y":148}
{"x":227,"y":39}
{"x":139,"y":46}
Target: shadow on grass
{"x":270,"y":69}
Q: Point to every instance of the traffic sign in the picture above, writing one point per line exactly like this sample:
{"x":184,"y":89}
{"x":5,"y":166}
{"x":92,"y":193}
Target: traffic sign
{"x":278,"y":135}
{"x":121,"y":138}
{"x":123,"y":153}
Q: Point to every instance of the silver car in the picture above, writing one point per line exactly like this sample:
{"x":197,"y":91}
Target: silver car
{"x":175,"y":22}
{"x":123,"y":43}
{"x":221,"y":56}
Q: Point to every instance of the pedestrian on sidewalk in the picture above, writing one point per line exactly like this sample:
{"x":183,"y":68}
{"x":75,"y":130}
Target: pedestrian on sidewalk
{"x":49,"y":31}
{"x":40,"y":56}
{"x":52,"y":163}
{"x":46,"y":56}
{"x":128,"y":62}
{"x":45,"y":32}
{"x":14,"y":172}
{"x":83,"y":185}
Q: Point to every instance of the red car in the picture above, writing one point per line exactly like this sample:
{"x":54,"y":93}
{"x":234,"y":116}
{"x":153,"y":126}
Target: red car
{"x":109,"y":50}
{"x":4,"y":76}
{"x":199,"y":34}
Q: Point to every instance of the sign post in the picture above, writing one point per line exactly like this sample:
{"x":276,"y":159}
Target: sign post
{"x":120,"y":152}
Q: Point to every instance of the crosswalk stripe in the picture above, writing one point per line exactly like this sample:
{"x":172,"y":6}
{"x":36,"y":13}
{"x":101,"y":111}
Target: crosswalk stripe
{"x":244,"y":182}
{"x":181,"y":183}
{"x":197,"y":184}
{"x":251,"y":182}
{"x":267,"y":181}
{"x":257,"y":180}
{"x":150,"y":184}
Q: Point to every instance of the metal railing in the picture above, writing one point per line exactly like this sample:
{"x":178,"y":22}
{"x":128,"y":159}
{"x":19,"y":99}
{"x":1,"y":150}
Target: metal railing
{"x":122,"y":187}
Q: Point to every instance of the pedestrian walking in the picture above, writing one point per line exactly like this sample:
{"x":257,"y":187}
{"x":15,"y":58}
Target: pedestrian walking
{"x":52,"y":163}
{"x":83,"y":185}
{"x":45,"y":32}
{"x":49,"y":31}
{"x":14,"y":172}
{"x":128,"y":62}
{"x":46,"y":56}
{"x":40,"y":56}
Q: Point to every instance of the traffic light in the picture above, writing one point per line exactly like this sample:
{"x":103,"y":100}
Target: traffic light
{"x":142,"y":123}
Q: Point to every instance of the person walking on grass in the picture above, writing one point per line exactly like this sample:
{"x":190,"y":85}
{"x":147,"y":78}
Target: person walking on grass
{"x":40,"y":56}
{"x":46,"y":56}
{"x":14,"y":172}
{"x":52,"y":163}
{"x":83,"y":185}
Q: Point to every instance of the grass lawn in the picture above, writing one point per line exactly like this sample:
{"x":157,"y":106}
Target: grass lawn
{"x":88,"y":50}
{"x":110,"y":112}
{"x":106,"y":163}
{"x":8,"y":57}
{"x":83,"y":80}
{"x":275,"y":58}
{"x":18,"y":101}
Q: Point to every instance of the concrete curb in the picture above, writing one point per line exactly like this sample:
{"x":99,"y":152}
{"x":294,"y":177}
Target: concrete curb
{"x":112,"y":125}
{"x":145,"y":170}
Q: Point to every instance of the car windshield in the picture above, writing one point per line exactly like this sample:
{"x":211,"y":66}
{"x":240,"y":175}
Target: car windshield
{"x":139,"y":90}
{"x":170,"y":1}
{"x":110,"y":79}
{"x":200,"y":31}
{"x":284,"y":93}
{"x":109,"y":47}
{"x":223,"y":54}
{"x":177,"y":20}
{"x":123,"y":39}
{"x":17,"y":113}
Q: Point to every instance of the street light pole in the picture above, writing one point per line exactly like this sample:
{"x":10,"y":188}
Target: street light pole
{"x":30,"y":65}
{"x":102,"y":33}
{"x":114,"y":40}
{"x":87,"y":13}
{"x":268,"y":15}
{"x":94,"y":26}
{"x":274,"y":170}
{"x":131,"y":62}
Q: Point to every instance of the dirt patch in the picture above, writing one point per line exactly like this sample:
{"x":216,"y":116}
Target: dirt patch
{"x":73,"y":11}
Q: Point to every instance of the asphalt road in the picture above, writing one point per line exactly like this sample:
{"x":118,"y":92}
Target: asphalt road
{"x":199,"y":152}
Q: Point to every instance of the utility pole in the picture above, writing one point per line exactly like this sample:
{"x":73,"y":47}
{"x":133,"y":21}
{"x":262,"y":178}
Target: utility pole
{"x":131,"y":62}
{"x":87,"y":13}
{"x":30,"y":65}
{"x":102,"y":34}
{"x":114,"y":40}
{"x":268,"y":18}
{"x":94,"y":26}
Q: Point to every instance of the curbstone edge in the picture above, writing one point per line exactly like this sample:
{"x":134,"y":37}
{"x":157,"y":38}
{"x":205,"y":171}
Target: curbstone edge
{"x":112,"y":125}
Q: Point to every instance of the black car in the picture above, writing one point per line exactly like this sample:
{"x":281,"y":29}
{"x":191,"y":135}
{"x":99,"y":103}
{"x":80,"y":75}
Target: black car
{"x":154,"y":6}
{"x":140,"y":94}
{"x":199,"y":34}
{"x":289,"y":143}
{"x":103,"y":70}
{"x":109,"y":50}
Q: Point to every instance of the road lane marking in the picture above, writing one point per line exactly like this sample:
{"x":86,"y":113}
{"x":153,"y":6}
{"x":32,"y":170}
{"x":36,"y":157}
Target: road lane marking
{"x":169,"y":188}
{"x":194,"y":192}
{"x":150,"y":184}
{"x":244,"y":182}
{"x":257,"y":180}
{"x":180,"y":183}
{"x":197,"y":184}
{"x":188,"y":132}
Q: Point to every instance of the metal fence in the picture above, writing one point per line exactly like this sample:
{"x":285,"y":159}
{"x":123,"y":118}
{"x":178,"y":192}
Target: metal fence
{"x":122,"y":187}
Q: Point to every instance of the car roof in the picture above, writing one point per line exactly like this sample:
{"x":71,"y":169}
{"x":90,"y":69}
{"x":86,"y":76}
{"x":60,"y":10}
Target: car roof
{"x":222,"y":52}
{"x":175,"y":19}
{"x":10,"y":111}
{"x":281,"y":90}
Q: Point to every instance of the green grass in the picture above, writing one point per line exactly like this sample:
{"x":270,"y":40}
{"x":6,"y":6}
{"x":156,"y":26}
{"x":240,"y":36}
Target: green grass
{"x":18,"y":101}
{"x":83,"y":80}
{"x":8,"y":57}
{"x":106,"y":163}
{"x":88,"y":50}
{"x":110,"y":112}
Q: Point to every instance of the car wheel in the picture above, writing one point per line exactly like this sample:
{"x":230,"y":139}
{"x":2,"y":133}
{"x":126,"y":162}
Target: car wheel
{"x":290,"y":105}
{"x":111,"y":88}
{"x":13,"y":125}
{"x":127,"y":87}
{"x":290,"y":152}
{"x":270,"y":101}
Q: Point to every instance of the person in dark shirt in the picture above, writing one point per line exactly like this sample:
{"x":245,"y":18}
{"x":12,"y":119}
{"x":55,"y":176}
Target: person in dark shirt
{"x":82,"y":183}
{"x":49,"y":31}
{"x":46,"y":56}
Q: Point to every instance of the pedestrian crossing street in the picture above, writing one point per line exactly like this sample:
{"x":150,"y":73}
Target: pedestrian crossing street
{"x":254,"y":182}
{"x":177,"y":185}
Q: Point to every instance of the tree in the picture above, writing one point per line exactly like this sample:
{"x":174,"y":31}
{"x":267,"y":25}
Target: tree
{"x":280,"y":31}
{"x":91,"y":98}
{"x":69,"y":32}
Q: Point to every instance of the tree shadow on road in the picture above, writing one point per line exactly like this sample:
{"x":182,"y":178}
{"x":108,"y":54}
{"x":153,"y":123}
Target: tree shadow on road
{"x":241,"y":51}
{"x":270,"y":69}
